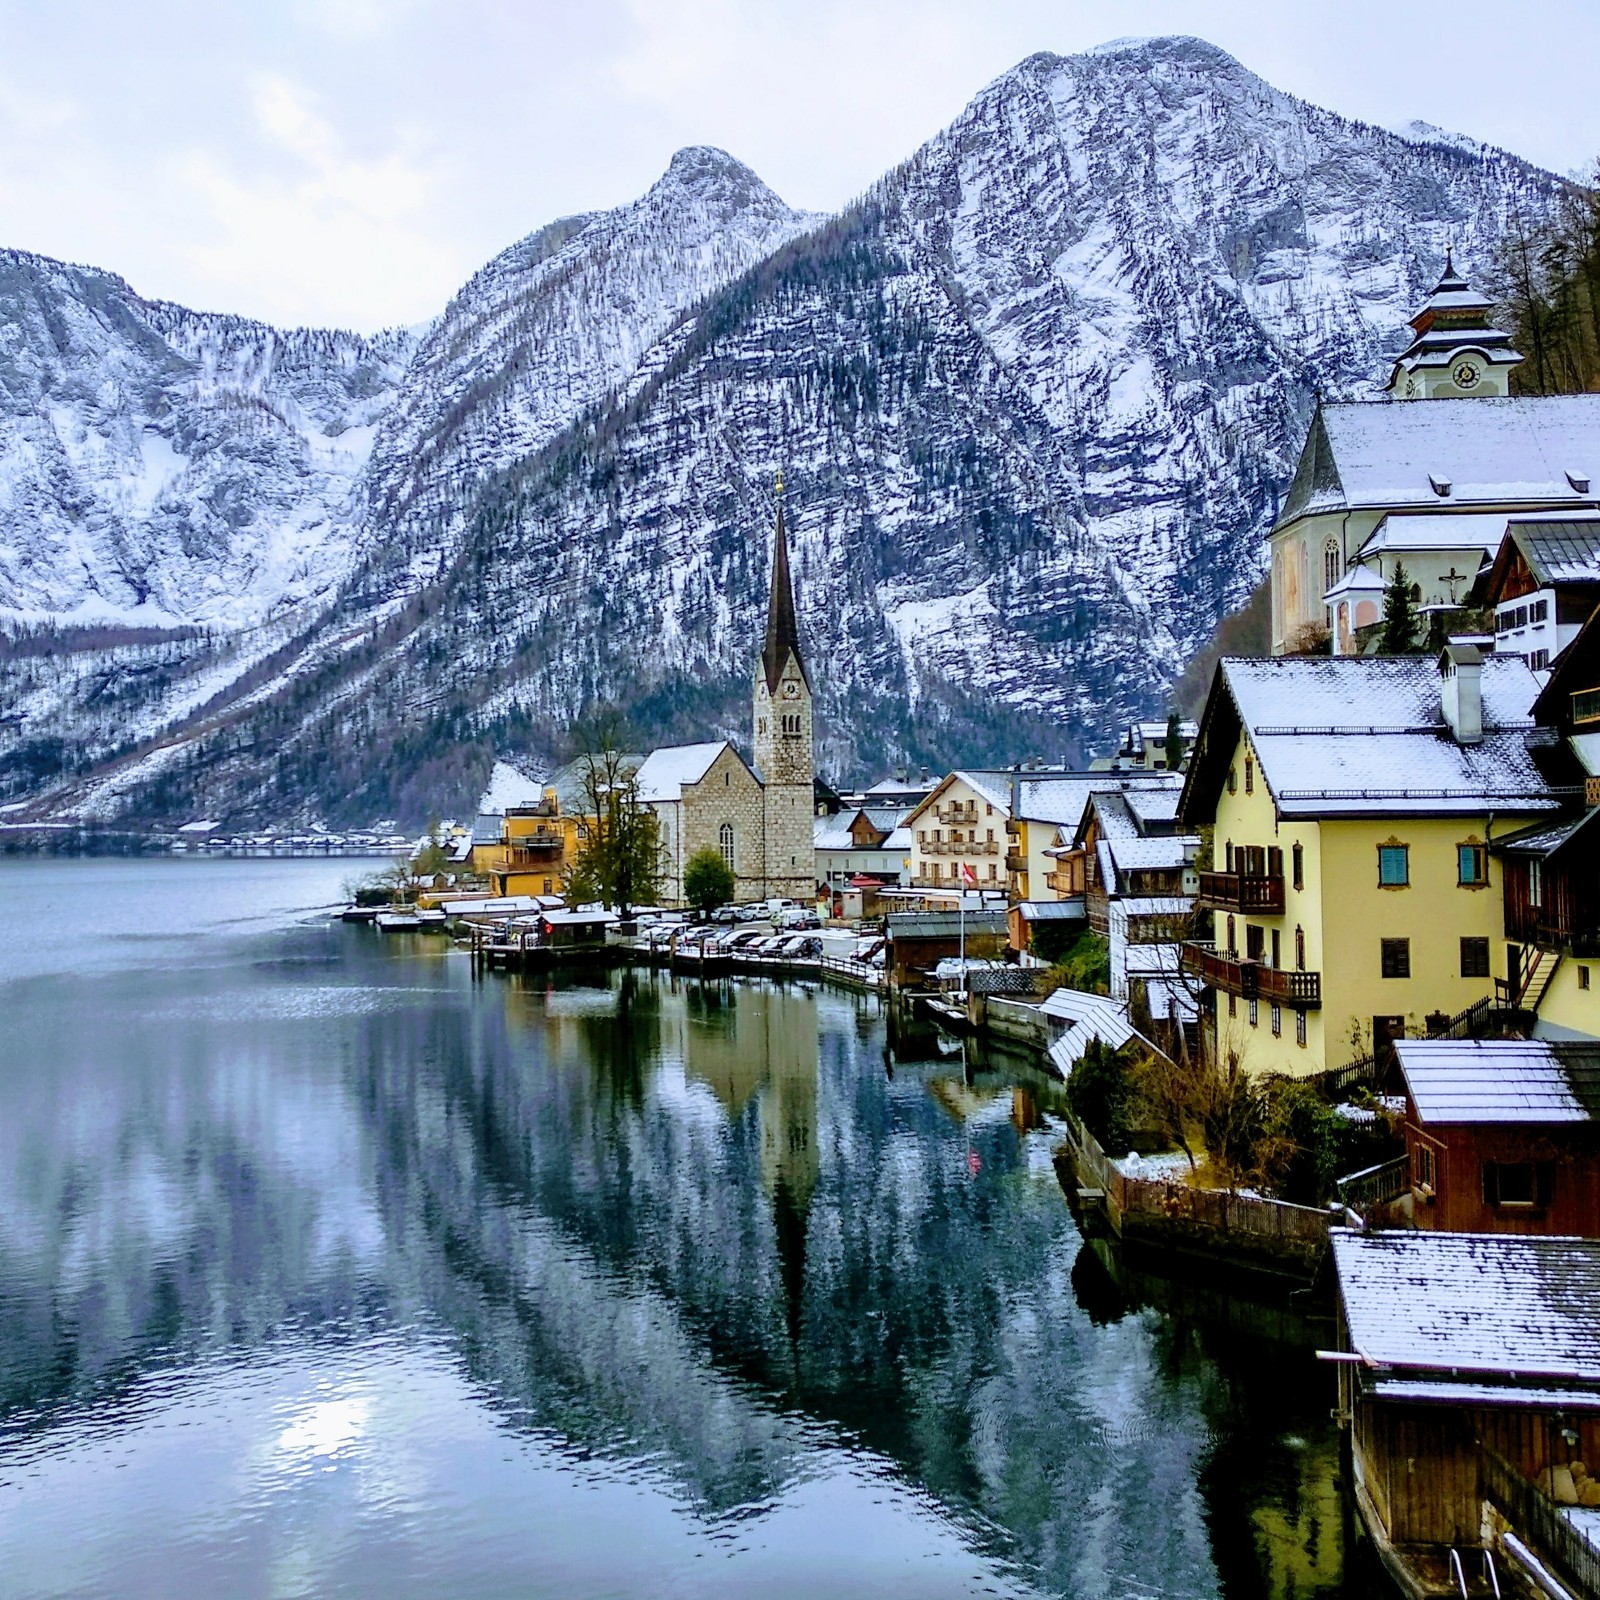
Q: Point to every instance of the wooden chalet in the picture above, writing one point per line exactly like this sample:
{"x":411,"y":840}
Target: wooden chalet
{"x":1502,"y":1136}
{"x":1469,"y":1377}
{"x":1543,"y":585}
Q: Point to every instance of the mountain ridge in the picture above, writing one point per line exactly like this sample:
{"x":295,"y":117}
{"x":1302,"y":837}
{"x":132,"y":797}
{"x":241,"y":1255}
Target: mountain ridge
{"x":1036,"y":393}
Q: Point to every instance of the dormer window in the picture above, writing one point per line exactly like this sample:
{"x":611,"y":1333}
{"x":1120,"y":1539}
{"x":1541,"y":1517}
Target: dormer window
{"x":1579,"y":482}
{"x":1440,"y":486}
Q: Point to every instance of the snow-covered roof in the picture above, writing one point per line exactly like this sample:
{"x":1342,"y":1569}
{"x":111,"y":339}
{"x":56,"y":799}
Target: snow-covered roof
{"x":1436,"y":530}
{"x":665,"y":772}
{"x":1501,"y":1080}
{"x":1087,"y":1016}
{"x":1451,"y":453}
{"x":1061,"y":797}
{"x":1478,"y":1305}
{"x":1565,"y":550}
{"x":488,"y":828}
{"x":1070,"y":910}
{"x":886,"y":818}
{"x":509,"y":787}
{"x":1358,"y":580}
{"x":1363,"y":735}
{"x":826,"y":835}
{"x":900,"y":839}
{"x":1169,"y":851}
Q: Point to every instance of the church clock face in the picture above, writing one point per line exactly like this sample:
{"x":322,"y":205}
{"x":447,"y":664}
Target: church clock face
{"x":791,"y":690}
{"x":1465,"y":374}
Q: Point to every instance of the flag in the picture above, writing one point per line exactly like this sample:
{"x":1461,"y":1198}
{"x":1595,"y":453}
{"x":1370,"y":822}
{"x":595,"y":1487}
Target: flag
{"x":969,"y":874}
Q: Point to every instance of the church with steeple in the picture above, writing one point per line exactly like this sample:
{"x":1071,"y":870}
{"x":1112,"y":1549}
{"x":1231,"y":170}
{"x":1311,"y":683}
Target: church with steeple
{"x":757,"y":817}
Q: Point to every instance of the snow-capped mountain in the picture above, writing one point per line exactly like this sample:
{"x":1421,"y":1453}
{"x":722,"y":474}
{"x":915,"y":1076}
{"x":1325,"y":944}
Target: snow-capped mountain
{"x":164,"y":467}
{"x":1036,"y":397}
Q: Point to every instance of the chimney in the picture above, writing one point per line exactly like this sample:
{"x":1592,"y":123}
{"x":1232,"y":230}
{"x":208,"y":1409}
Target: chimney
{"x":1461,"y":691}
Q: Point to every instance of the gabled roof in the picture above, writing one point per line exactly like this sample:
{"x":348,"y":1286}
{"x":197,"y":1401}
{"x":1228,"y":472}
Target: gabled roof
{"x":1365,"y":736}
{"x":992,"y":787}
{"x":1563,"y":550}
{"x":665,"y":772}
{"x":1061,"y":797}
{"x":1491,"y":1306}
{"x":1546,"y":839}
{"x":1501,"y":1080}
{"x":1448,"y":454}
{"x":1436,"y":530}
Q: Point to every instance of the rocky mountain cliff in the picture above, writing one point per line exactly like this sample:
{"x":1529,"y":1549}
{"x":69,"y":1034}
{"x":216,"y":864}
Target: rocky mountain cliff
{"x":1036,"y":397}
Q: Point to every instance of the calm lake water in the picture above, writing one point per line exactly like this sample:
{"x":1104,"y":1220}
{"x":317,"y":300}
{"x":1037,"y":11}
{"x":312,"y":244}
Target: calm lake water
{"x":325,"y":1270}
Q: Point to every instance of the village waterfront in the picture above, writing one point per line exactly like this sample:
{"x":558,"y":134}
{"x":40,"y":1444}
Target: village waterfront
{"x":329,"y":1269}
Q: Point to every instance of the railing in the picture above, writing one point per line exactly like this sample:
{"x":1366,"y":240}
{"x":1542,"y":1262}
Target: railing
{"x":1251,"y":979}
{"x":1375,"y":1186}
{"x":1332,"y":1083}
{"x":1539,"y":1521}
{"x":1528,"y":925}
{"x":1237,"y":891}
{"x":1016,"y":861}
{"x":855,"y":971}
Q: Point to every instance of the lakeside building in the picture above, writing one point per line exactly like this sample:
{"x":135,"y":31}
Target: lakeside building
{"x":527,"y":833}
{"x":1046,"y":805}
{"x":869,"y":842}
{"x":1372,"y":475}
{"x":1137,"y":876}
{"x":962,"y":823}
{"x":1502,"y":1135}
{"x":1469,"y":1379}
{"x":760,"y":817}
{"x":1352,"y":803}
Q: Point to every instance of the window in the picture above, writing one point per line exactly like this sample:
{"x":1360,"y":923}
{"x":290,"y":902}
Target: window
{"x":1233,"y":943}
{"x":989,"y":835}
{"x":1300,"y":949}
{"x":547,"y":883}
{"x":993,"y":872}
{"x":1583,"y":977}
{"x":1233,"y":1005}
{"x":727,"y":780}
{"x":1536,"y":883}
{"x":1538,"y":611}
{"x":1330,"y":566}
{"x":761,"y":727}
{"x":1229,"y":866}
{"x":1255,"y":939}
{"x":1298,"y":856}
{"x":1422,"y":1172}
{"x":1472,"y":865}
{"x":1277,"y":949}
{"x":1474,"y":958}
{"x":1538,"y":660}
{"x":725,"y":843}
{"x":1249,"y":774}
{"x":1255,"y":1006}
{"x":1277,"y":1020}
{"x":1300,"y":1029}
{"x":1586,"y":705}
{"x":1233,"y":780}
{"x":1396,"y":957}
{"x":1394,"y":866}
{"x":1518,"y":1183}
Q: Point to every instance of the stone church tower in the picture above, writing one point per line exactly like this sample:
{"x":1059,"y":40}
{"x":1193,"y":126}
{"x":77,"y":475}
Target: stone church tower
{"x":783,"y":737}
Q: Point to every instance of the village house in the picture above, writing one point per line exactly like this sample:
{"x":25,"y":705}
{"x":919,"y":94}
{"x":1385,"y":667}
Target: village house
{"x":759,"y":818}
{"x":1045,"y":807}
{"x":1351,"y":803}
{"x":869,"y":842}
{"x":1138,"y":879}
{"x":1551,"y":871}
{"x":1543,"y":585}
{"x":1472,"y":448}
{"x":1502,"y":1135}
{"x":962,"y":823}
{"x":1469,"y":1378}
{"x":1144,"y":747}
{"x":527,"y":833}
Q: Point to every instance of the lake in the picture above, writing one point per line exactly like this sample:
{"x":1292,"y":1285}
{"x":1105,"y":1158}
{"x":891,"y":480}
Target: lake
{"x":329,"y":1270}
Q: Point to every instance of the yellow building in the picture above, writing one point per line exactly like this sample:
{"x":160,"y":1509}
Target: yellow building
{"x":1047,"y":806}
{"x":526,"y":834}
{"x":961,"y":824}
{"x":1352,"y":804}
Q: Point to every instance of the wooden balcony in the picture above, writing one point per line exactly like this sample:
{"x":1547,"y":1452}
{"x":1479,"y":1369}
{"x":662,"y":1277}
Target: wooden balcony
{"x":1251,"y":979}
{"x":1016,"y":861}
{"x":1547,"y":929}
{"x":1235,"y":891}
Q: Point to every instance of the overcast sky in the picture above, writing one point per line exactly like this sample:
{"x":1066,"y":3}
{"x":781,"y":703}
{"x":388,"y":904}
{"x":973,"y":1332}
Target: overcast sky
{"x":350,"y":162}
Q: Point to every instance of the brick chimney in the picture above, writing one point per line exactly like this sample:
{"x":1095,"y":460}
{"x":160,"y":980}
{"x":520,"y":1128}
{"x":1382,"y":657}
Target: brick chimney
{"x":1461,"y":691}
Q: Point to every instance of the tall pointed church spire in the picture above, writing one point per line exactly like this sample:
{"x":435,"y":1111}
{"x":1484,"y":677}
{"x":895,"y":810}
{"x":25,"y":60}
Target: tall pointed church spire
{"x":783,"y":631}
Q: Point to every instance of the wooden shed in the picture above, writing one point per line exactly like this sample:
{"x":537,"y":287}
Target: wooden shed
{"x":1503,"y":1135}
{"x":1470,"y":1381}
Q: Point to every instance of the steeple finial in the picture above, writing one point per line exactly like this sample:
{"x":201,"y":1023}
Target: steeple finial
{"x":778,"y":486}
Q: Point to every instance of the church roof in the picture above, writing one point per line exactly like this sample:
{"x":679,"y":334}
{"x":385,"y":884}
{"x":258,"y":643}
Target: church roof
{"x":665,"y":772}
{"x":1454,"y":455}
{"x":783,"y":629}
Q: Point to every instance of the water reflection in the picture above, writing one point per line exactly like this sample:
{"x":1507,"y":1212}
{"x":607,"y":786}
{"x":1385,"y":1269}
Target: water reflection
{"x":410,"y":1258}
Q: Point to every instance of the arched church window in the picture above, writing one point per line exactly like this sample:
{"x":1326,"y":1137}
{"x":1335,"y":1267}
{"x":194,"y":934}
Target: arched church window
{"x":725,"y":843}
{"x":1330,"y":565}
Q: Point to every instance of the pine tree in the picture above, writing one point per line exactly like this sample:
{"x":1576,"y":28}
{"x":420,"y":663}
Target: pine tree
{"x":1400,"y":617}
{"x":1174,"y":740}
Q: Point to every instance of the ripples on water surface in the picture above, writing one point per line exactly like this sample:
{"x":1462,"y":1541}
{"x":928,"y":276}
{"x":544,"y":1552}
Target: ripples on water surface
{"x":326,"y":1271}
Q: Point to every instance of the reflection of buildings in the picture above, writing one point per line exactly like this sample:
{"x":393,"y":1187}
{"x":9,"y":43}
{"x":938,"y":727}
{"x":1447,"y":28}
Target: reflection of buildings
{"x":763,"y":1046}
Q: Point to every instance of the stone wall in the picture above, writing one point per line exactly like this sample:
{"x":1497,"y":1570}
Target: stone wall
{"x":728,"y":794}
